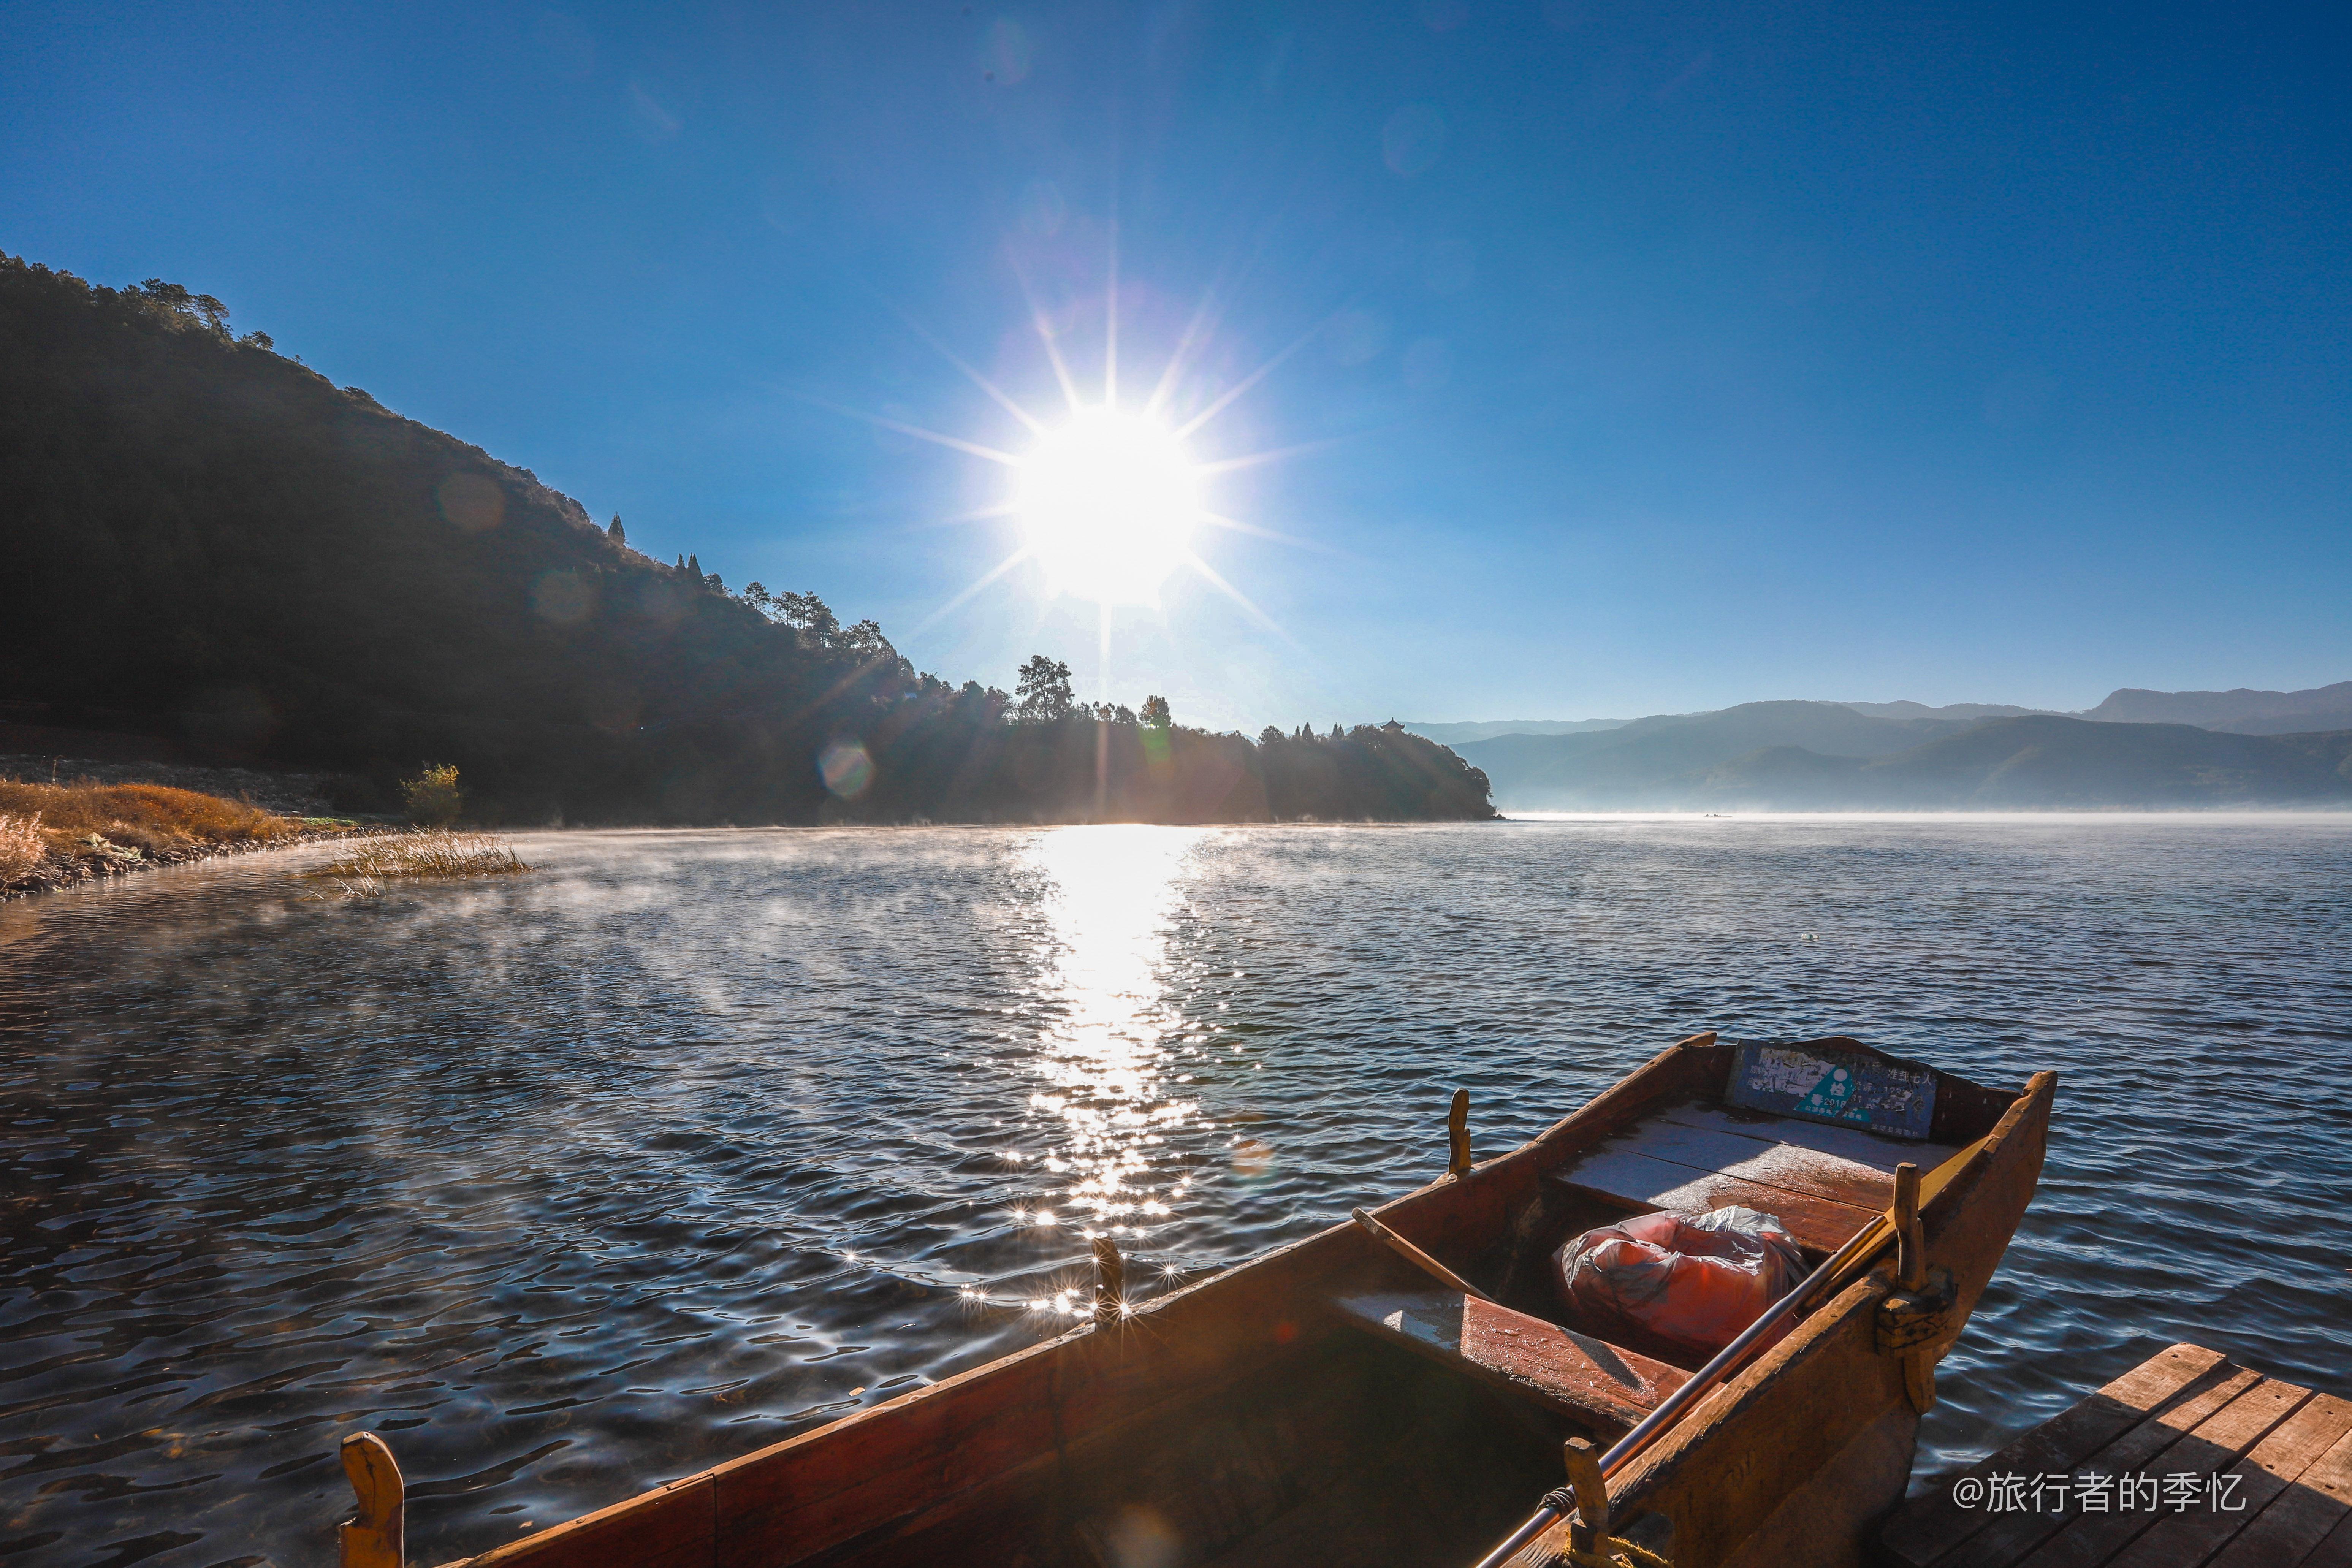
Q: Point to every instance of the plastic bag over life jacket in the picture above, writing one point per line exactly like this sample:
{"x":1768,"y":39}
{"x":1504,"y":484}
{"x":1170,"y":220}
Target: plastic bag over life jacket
{"x":1691,"y":1280}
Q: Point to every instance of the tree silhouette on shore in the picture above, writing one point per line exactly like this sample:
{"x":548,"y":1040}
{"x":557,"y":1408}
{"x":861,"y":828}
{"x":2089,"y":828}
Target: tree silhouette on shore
{"x":218,"y":548}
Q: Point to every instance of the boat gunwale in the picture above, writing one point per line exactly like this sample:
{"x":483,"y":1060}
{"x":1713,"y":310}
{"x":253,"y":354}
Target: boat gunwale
{"x":1499,"y":1184}
{"x":2012,"y":1149}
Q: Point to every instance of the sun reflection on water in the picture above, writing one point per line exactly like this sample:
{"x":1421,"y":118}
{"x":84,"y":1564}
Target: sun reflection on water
{"x":1112,"y":1035}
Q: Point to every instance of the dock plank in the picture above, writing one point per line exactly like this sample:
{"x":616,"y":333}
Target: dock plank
{"x":2336,"y":1551}
{"x":2286,"y":1454}
{"x":2268,"y":1469}
{"x":2091,"y":1541}
{"x":1931,"y":1526}
{"x":2006,"y":1539}
{"x":2292,"y":1528}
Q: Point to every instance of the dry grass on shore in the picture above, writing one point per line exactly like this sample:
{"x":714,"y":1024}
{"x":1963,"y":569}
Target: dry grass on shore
{"x":86,"y":822}
{"x":429,"y":852}
{"x":21,"y":846}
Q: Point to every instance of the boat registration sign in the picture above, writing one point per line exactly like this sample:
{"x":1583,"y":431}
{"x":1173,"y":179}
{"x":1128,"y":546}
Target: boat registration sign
{"x":1847,"y":1089}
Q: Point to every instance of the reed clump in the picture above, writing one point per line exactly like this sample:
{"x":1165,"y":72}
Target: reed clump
{"x":438,"y":852}
{"x":21,"y":846}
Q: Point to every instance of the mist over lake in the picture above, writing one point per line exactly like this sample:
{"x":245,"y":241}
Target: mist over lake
{"x":580,"y":1180}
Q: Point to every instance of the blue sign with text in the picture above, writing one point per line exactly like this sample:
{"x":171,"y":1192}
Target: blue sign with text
{"x":1822,"y":1083}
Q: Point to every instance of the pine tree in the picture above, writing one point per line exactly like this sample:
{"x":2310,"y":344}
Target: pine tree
{"x":694,"y":565}
{"x":619,"y":535}
{"x":171,"y":296}
{"x":1044,"y":688}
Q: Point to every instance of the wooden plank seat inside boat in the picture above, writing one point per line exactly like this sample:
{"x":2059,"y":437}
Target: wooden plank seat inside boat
{"x":1599,"y":1384}
{"x":1822,"y":1182}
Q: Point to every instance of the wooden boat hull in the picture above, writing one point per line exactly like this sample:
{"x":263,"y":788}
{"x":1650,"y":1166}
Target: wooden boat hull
{"x":1279,"y":1414}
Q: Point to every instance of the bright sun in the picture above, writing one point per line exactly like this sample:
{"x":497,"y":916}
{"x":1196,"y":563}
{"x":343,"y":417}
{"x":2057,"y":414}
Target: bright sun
{"x":1109,"y":502}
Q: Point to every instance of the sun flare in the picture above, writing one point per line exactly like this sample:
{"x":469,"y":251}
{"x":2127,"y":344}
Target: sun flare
{"x":1109,"y":502}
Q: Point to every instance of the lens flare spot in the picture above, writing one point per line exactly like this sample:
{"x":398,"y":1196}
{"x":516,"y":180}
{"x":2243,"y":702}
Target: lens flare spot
{"x":846,"y":769}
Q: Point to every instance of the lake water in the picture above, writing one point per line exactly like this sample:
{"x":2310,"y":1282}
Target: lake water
{"x":574,"y":1183}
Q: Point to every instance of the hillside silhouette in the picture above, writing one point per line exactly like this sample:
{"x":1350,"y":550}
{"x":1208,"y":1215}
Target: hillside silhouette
{"x":213,"y":547}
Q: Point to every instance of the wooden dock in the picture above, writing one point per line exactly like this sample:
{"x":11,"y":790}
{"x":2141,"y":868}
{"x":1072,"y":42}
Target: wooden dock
{"x":2188,"y":1460}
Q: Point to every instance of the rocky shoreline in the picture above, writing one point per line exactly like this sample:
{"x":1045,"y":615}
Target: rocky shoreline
{"x":55,"y":874}
{"x":299,"y":799}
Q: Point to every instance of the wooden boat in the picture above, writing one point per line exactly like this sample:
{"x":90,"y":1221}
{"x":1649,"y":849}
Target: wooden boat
{"x":1329,"y":1404}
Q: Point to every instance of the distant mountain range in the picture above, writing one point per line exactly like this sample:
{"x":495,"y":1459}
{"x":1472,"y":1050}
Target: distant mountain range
{"x":1950,"y":710}
{"x":2241,"y":711}
{"x":1817,"y":756}
{"x":1486,"y":730}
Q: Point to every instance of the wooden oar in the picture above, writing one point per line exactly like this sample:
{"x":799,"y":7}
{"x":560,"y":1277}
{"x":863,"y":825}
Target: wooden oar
{"x":1845,"y":1266}
{"x":1417,"y":1259}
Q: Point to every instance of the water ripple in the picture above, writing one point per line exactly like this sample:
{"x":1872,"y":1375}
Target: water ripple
{"x":690,"y":1141}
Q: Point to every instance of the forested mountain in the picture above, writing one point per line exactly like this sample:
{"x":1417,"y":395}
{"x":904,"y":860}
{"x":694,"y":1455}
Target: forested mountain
{"x":209,"y":542}
{"x":1790,"y":756}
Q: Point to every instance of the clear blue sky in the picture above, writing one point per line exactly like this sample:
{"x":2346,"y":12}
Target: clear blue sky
{"x":1653,"y":358}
